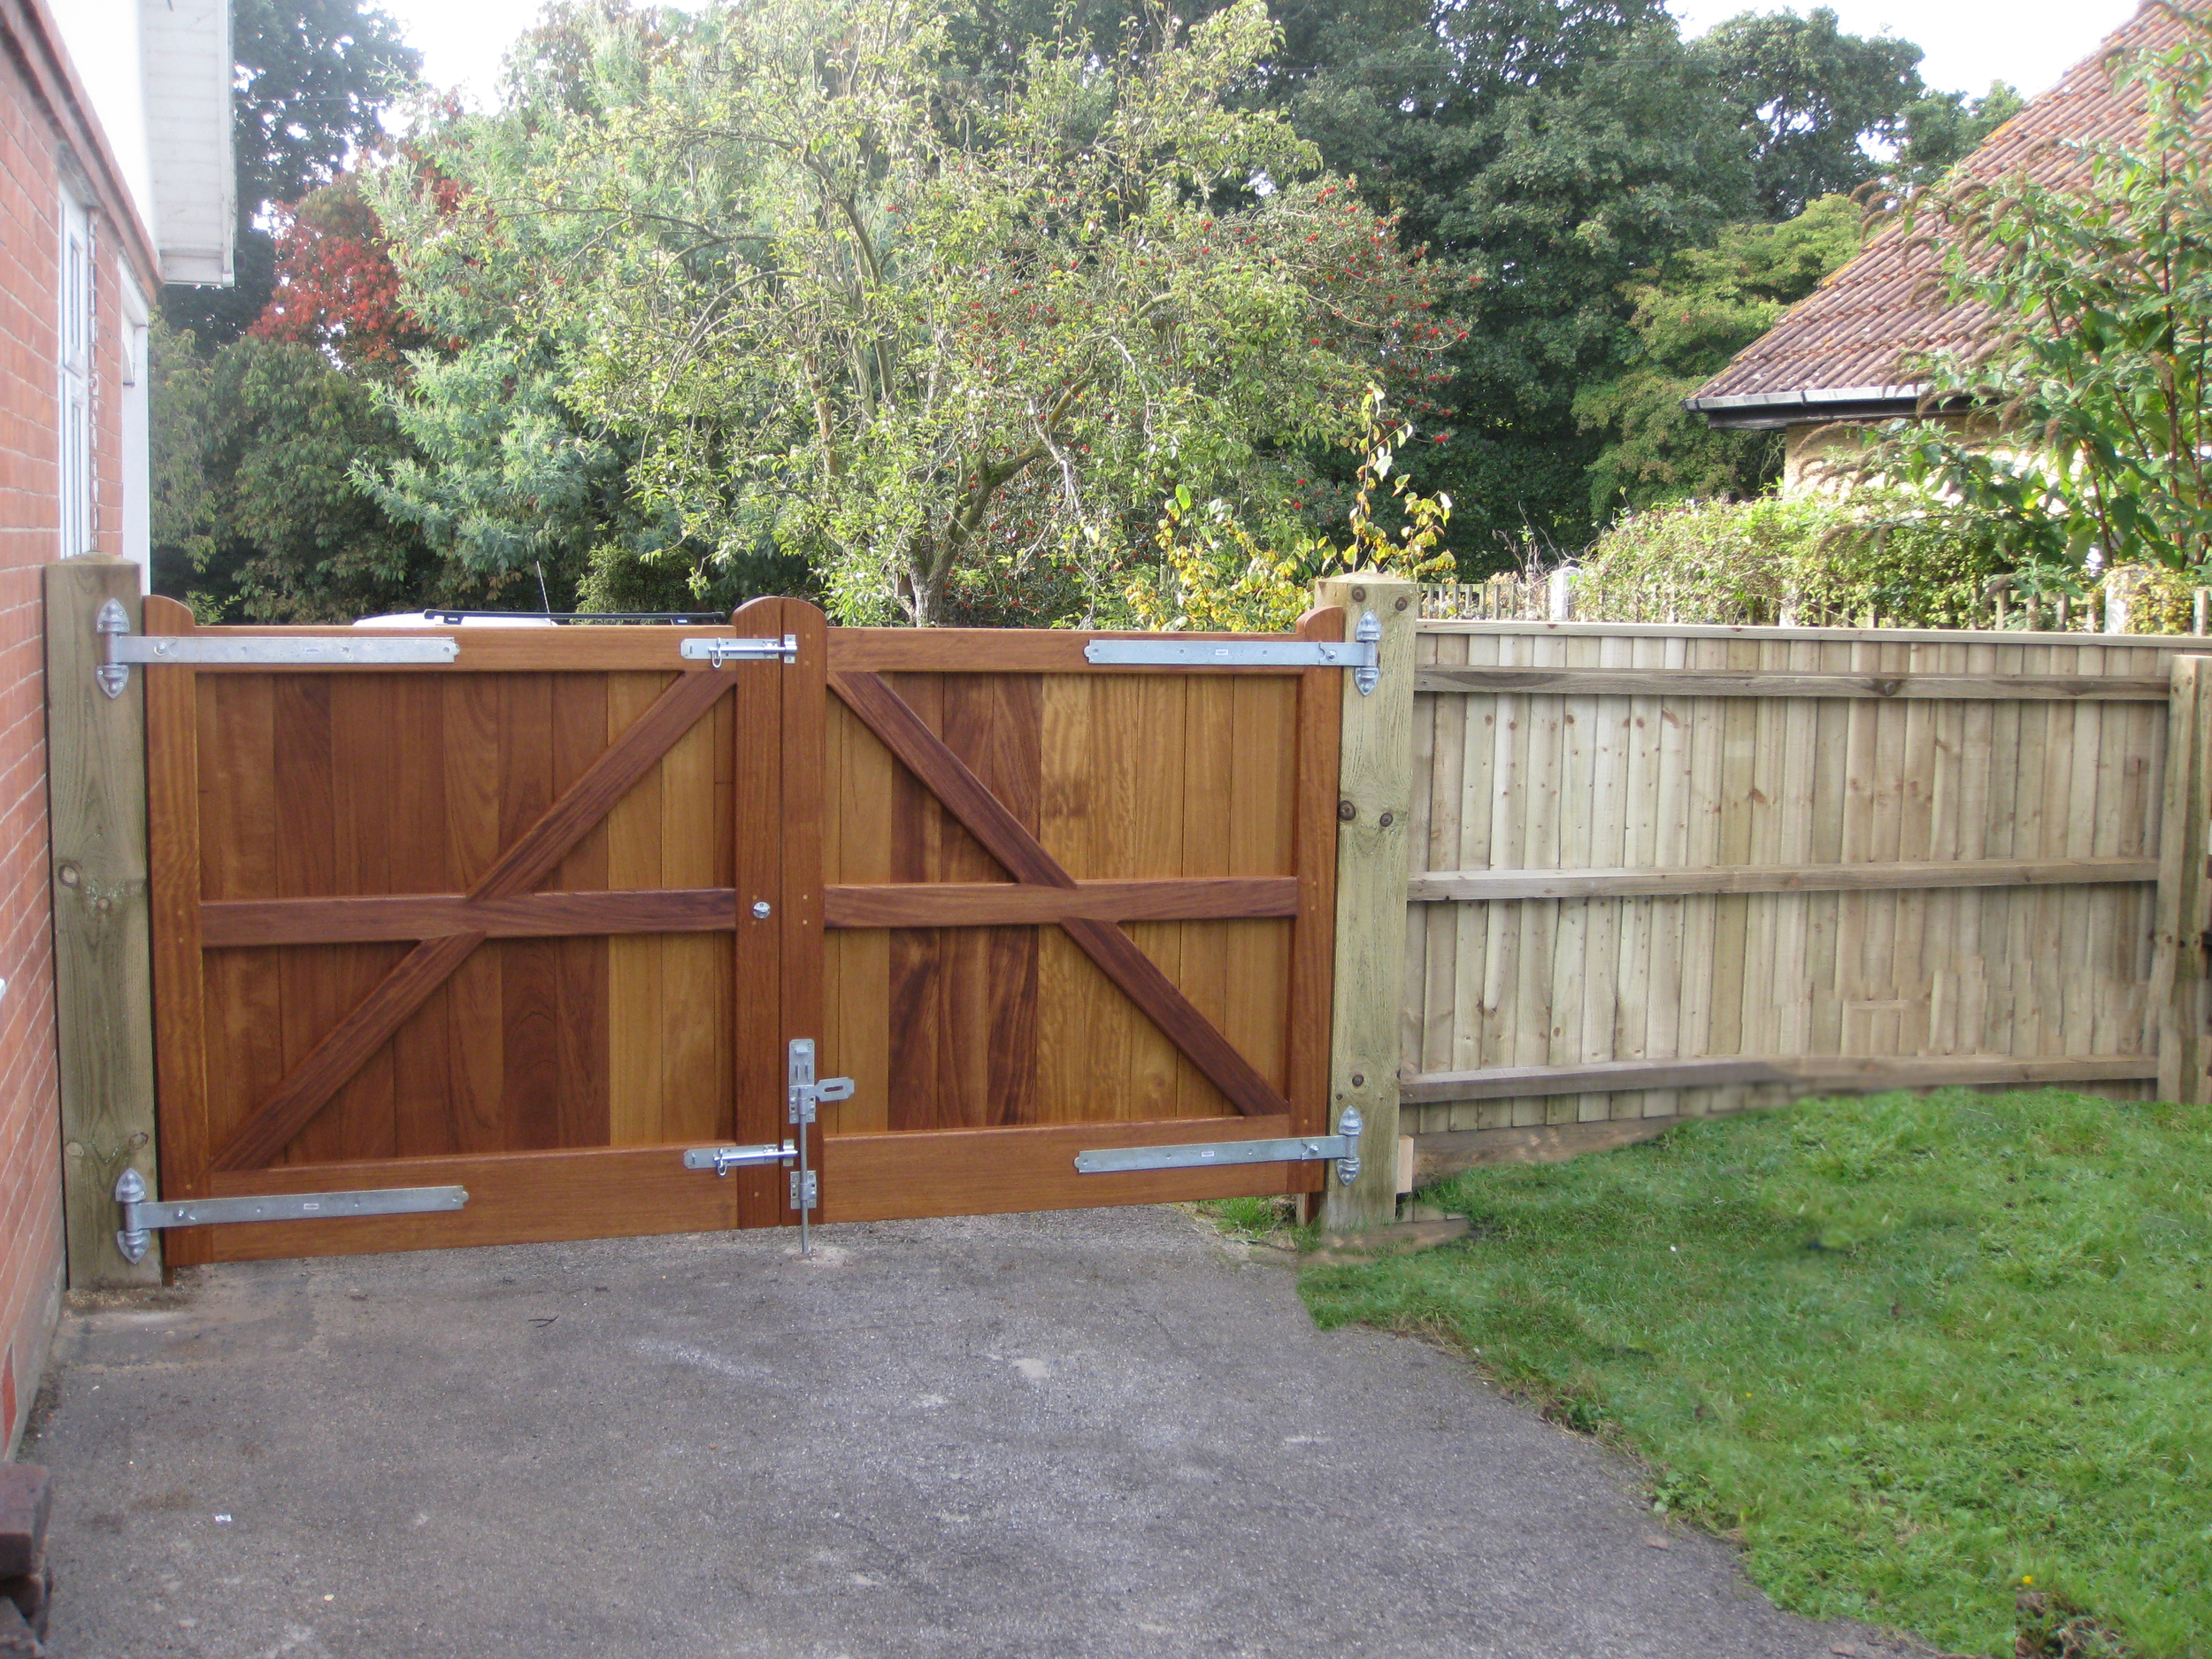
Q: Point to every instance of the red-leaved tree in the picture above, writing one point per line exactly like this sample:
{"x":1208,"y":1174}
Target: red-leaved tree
{"x":336,"y":288}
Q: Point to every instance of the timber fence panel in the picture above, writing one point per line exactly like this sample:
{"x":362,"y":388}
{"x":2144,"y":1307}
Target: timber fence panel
{"x":1665,"y":871}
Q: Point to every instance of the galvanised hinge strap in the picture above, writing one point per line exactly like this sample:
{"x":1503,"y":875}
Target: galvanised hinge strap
{"x":726,"y":648}
{"x":1342,"y":1145}
{"x":142,"y":1215}
{"x":1356,"y":654}
{"x":119,"y":647}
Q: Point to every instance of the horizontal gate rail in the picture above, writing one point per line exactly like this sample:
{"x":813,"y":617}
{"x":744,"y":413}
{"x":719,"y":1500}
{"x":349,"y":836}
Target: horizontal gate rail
{"x":390,"y":917}
{"x":1022,"y":904}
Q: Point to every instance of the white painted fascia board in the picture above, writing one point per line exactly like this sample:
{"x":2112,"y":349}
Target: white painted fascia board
{"x":187,"y":63}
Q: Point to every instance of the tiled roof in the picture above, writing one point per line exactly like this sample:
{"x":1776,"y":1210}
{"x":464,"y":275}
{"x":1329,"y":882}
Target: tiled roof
{"x":1844,"y":343}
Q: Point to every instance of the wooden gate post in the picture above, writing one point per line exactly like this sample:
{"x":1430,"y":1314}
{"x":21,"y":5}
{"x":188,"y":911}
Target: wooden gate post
{"x":96,"y":757}
{"x":1373,"y":861}
{"x":2179,"y":982}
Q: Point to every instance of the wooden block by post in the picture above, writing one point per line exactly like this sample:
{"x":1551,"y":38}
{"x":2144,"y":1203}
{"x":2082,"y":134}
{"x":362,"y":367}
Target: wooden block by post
{"x":2179,"y":975}
{"x":95,"y":751}
{"x":1373,"y":861}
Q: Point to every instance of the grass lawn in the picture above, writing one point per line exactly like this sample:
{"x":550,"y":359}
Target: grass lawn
{"x":1939,"y":1363}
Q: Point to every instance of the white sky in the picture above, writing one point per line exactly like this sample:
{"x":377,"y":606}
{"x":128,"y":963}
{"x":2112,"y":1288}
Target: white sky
{"x":1968,"y":42}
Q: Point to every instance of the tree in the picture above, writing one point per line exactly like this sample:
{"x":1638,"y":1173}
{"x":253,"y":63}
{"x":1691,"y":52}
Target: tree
{"x":255,"y":443}
{"x":1690,"y":315}
{"x":951,"y":340}
{"x":1809,"y":97}
{"x":255,"y":514}
{"x":1551,"y":149}
{"x":1217,"y":576}
{"x":1943,"y":128}
{"x":2090,"y":416}
{"x":314,"y":78}
{"x":336,"y":287}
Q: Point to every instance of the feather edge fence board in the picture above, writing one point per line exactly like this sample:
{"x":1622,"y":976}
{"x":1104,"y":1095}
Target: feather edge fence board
{"x":1636,"y":900}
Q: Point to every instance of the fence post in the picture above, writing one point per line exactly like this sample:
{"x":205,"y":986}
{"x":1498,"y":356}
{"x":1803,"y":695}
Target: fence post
{"x":1373,"y":864}
{"x":2179,"y":981}
{"x":96,"y":757}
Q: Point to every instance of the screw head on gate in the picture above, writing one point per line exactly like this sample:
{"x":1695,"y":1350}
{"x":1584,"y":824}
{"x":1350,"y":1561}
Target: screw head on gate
{"x":760,"y":909}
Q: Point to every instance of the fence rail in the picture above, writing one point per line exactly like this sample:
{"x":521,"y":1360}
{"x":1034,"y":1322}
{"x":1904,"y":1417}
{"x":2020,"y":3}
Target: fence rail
{"x":1660,"y":871}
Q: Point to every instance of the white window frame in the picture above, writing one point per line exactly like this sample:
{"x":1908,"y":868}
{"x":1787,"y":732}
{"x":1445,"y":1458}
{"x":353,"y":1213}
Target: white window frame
{"x":75,"y":340}
{"x":136,"y":320}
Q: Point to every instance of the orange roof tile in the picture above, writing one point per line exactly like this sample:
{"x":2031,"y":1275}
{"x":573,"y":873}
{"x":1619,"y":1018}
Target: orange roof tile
{"x":1844,"y":343}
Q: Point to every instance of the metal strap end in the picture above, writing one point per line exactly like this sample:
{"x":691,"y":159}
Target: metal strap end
{"x":1368,"y":675}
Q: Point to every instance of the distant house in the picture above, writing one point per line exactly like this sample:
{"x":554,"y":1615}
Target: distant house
{"x":115,"y":177}
{"x":1840,"y":355}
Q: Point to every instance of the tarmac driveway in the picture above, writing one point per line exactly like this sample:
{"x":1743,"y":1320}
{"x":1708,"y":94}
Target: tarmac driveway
{"x":1103,"y":1432}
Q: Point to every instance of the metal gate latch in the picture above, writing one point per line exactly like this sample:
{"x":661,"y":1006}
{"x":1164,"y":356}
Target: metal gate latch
{"x":722,"y":1160}
{"x":1343,"y":1146}
{"x":142,"y":1215}
{"x":728,"y":649}
{"x":804,"y":1094}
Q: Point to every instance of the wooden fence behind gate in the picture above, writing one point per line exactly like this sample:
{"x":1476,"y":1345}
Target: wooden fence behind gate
{"x":1660,"y":871}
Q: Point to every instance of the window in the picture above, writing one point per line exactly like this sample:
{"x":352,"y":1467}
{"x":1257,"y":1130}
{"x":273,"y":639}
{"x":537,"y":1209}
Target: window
{"x":76,"y":378}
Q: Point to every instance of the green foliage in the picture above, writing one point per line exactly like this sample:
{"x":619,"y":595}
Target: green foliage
{"x":2100,"y":417}
{"x":253,"y":512}
{"x":314,"y":78}
{"x":1809,"y":559}
{"x":1942,"y":128}
{"x":789,"y":286}
{"x":1939,"y":1363}
{"x":1559,"y":152}
{"x":1551,"y":149}
{"x":1690,"y":315}
{"x":1216,"y":577}
{"x":1812,"y":97}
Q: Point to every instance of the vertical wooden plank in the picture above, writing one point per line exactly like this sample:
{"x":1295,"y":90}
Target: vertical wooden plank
{"x":988,"y":1043}
{"x":634,"y":963}
{"x":579,"y":730}
{"x":766,"y":700}
{"x":365,"y":733}
{"x":1476,"y":733}
{"x":241,"y":998}
{"x":422,"y":862}
{"x":2183,"y":912}
{"x":1314,"y":853}
{"x":1431,"y":940}
{"x":857,"y":839}
{"x":1374,"y":796}
{"x":694,"y":1038}
{"x":916,"y":988}
{"x":805,"y":695}
{"x":1209,"y":744}
{"x":475,"y":1031}
{"x":316,"y":983}
{"x":526,"y":973}
{"x":115,"y":901}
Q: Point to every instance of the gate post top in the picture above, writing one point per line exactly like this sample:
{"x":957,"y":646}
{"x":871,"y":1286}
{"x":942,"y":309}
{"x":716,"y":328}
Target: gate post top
{"x":1374,"y":849}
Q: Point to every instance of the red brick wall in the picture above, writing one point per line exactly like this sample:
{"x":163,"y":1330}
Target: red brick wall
{"x":30,"y":1149}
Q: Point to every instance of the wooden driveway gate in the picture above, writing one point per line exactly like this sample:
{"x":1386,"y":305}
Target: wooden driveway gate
{"x":541,"y":917}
